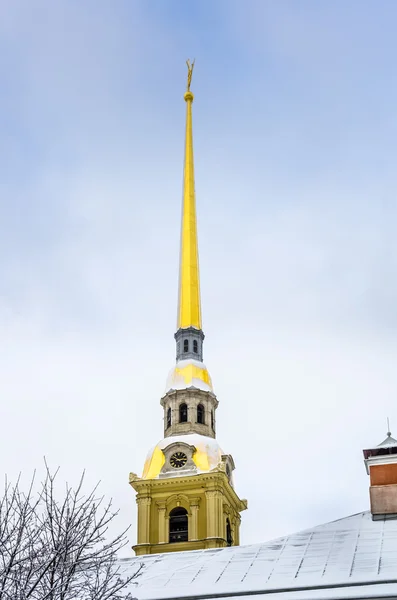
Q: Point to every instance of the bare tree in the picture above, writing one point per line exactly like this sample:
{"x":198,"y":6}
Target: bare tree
{"x":58,"y":550}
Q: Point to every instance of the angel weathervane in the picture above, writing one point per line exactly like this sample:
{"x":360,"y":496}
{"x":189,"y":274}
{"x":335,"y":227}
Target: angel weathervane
{"x":190,"y":68}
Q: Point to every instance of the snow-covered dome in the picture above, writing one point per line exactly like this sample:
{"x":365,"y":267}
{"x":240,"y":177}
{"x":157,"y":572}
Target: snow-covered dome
{"x":189,"y":373}
{"x":207,"y":456}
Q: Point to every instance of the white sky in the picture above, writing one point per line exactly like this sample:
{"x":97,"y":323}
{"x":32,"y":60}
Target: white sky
{"x":295,"y":127}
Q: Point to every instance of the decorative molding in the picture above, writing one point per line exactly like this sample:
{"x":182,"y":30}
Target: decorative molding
{"x":169,"y":471}
{"x":177,"y":500}
{"x":228,"y":458}
{"x":194,"y":501}
{"x":145,"y":501}
{"x":212,"y":479}
{"x":189,"y":390}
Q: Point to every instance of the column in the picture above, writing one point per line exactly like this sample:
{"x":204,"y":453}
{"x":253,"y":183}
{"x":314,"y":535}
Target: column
{"x":162,"y":522}
{"x":214,"y":513}
{"x":143,"y":519}
{"x":211,"y":512}
{"x":194,"y":509}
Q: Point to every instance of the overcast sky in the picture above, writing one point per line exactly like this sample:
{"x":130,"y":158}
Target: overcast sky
{"x":295,"y":128}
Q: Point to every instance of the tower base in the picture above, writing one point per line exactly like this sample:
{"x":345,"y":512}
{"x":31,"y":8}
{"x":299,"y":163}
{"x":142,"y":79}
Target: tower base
{"x":207,"y":513}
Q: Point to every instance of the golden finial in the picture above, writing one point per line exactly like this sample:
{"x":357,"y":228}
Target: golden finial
{"x":190,"y":68}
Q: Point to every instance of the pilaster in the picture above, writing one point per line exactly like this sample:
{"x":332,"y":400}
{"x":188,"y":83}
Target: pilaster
{"x":143,"y":519}
{"x":194,"y":510}
{"x":163,"y":530}
{"x":214,"y":512}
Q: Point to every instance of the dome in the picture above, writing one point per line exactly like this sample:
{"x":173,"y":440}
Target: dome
{"x":189,"y":373}
{"x":207,"y":456}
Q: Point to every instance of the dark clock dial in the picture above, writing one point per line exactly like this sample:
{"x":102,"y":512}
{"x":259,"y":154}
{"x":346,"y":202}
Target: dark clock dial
{"x":178,"y":460}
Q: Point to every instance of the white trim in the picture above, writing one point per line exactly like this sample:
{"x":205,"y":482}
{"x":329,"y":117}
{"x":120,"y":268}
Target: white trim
{"x":386,"y":459}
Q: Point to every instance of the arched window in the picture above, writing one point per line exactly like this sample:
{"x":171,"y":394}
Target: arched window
{"x":212,"y":421}
{"x":229,"y":537}
{"x":186,"y":345}
{"x":200,"y":414}
{"x":178,"y":525}
{"x":195,"y":346}
{"x":183,"y":413}
{"x":168,"y":418}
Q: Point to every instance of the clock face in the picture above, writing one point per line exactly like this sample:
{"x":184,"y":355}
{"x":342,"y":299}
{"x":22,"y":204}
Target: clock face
{"x":178,"y":460}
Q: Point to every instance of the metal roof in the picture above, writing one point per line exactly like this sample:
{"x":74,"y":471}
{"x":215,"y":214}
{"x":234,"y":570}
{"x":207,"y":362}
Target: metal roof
{"x":351,"y":557}
{"x":388,"y":442}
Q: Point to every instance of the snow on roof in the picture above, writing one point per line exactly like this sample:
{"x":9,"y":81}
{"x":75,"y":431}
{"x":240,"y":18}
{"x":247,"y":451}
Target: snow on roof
{"x":341,"y":556}
{"x":189,"y":373}
{"x":207,"y":456}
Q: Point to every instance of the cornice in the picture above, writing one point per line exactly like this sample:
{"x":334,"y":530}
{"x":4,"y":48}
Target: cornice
{"x":190,"y":390}
{"x":216,"y":480}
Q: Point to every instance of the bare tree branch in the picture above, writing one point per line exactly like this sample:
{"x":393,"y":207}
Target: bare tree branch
{"x":58,"y":549}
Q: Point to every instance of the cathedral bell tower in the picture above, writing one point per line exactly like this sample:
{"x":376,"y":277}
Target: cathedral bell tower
{"x":186,"y":497}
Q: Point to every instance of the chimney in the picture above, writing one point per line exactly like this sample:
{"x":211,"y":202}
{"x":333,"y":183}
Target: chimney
{"x":381,"y":465}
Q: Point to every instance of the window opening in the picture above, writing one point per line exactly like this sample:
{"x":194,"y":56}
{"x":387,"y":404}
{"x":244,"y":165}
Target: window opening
{"x":183,"y":413}
{"x":186,"y":345}
{"x":195,"y":346}
{"x":212,"y":421}
{"x":168,"y":418}
{"x":200,"y":414}
{"x":178,"y":525}
{"x":229,"y":537}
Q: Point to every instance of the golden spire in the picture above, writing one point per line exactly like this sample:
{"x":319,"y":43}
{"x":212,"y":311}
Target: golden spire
{"x":189,"y":306}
